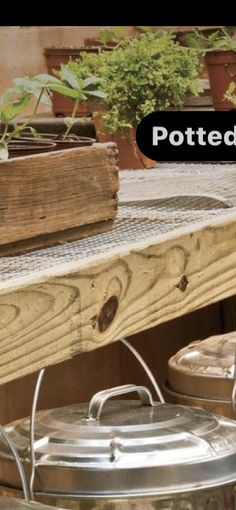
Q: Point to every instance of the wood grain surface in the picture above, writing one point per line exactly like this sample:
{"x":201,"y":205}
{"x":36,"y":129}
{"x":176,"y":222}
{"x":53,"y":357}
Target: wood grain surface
{"x":52,"y":192}
{"x":50,"y":321}
{"x":164,"y":258}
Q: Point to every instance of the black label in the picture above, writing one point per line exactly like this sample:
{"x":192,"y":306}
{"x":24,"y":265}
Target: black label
{"x":188,"y":136}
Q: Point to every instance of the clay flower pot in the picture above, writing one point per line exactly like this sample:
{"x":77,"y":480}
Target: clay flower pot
{"x":222,"y":71}
{"x":24,"y":147}
{"x":71,"y":142}
{"x":93,"y":42}
{"x":130,"y":157}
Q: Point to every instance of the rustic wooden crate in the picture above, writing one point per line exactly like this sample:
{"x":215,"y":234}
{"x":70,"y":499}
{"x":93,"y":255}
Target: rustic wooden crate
{"x":58,"y":196}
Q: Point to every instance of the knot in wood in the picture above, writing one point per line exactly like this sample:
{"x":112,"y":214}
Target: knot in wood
{"x":107,"y":313}
{"x":182,"y":285}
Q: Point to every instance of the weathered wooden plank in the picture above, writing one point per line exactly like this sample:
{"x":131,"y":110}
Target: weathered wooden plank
{"x":52,"y":192}
{"x":53,"y":319}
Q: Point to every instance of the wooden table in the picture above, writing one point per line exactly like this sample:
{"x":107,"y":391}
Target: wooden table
{"x":171,"y":251}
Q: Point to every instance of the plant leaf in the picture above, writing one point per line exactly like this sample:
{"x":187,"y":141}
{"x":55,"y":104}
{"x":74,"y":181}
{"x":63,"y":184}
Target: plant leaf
{"x":64,"y":90}
{"x":45,"y":98}
{"x":10,"y":111}
{"x":69,"y":76}
{"x":47,"y":78}
{"x":231,"y":88}
{"x":92,"y":80}
{"x":8,"y":95}
{"x":96,"y":93}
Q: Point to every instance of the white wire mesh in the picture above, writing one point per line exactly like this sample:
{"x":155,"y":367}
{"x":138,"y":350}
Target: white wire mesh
{"x":154,"y":204}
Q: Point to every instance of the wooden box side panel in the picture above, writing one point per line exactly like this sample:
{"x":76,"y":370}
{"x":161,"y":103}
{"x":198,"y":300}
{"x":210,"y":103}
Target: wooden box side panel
{"x":56,"y":191}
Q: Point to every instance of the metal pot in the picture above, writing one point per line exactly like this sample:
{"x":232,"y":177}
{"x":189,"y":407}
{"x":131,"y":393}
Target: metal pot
{"x":126,"y":454}
{"x":20,"y":504}
{"x":203,"y":374}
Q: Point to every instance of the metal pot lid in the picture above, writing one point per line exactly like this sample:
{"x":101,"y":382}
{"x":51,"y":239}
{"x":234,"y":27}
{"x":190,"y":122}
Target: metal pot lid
{"x":20,"y":504}
{"x":205,"y":368}
{"x":133,"y":448}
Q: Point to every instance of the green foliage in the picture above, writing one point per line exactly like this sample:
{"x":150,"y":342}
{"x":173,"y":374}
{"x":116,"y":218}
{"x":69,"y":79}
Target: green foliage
{"x":218,"y":40}
{"x":12,"y":103}
{"x":146,"y":29}
{"x":78,"y":88}
{"x":16,"y":100}
{"x":114,"y":34}
{"x":230,"y":93}
{"x":146,"y":73}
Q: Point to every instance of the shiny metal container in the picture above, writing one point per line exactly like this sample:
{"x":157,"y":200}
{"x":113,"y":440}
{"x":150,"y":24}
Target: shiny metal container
{"x":203,"y":374}
{"x":123,"y":450}
{"x":125,"y":455}
{"x":17,"y":504}
{"x":9,"y":503}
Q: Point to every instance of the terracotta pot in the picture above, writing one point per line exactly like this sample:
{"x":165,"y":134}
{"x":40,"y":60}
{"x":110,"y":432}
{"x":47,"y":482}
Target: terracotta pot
{"x":48,"y":137}
{"x":57,"y":140}
{"x":22,"y":147}
{"x":81,"y":141}
{"x":130,"y":157}
{"x":63,"y":106}
{"x":92,"y":42}
{"x":221,"y":66}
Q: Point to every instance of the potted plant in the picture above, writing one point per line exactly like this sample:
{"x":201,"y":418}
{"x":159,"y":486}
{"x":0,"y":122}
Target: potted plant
{"x":108,"y":38}
{"x":46,"y":198}
{"x":79,"y":90}
{"x":14,"y":102}
{"x":143,"y":74}
{"x":220,"y":55}
{"x":62,"y":105}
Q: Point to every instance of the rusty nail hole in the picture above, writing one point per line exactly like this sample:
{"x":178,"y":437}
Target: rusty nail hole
{"x":107,"y":313}
{"x":182,"y":285}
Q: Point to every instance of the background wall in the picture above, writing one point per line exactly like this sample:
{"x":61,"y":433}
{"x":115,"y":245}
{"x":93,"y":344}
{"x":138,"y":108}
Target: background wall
{"x":21,"y":48}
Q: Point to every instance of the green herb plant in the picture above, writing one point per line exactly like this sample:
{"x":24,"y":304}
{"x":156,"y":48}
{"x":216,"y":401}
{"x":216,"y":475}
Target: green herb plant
{"x":230,"y":94}
{"x":217,"y":40}
{"x":145,"y":73}
{"x":114,"y":34}
{"x":16,"y":100}
{"x":77,"y":88}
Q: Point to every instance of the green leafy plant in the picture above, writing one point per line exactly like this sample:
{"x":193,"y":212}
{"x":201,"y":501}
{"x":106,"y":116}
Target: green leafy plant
{"x":77,"y":88}
{"x":218,"y":40}
{"x":146,"y":73}
{"x":16,"y":100}
{"x":146,"y":29}
{"x":230,"y":93}
{"x":114,"y":34}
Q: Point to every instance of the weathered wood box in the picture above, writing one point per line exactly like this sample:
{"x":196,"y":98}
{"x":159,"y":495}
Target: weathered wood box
{"x":58,"y":196}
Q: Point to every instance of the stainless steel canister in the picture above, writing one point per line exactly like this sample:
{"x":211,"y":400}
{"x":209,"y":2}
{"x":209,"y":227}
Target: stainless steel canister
{"x":126,"y":455}
{"x":203,"y":374}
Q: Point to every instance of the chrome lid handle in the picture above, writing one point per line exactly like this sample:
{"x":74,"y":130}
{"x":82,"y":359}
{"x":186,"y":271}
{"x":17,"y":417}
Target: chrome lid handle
{"x":99,"y":399}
